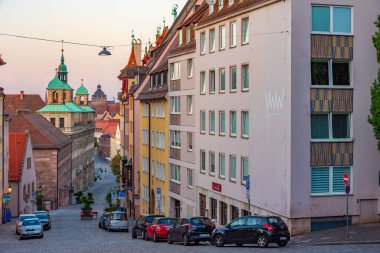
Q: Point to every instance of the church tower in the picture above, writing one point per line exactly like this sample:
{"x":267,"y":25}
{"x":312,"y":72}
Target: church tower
{"x":62,"y":75}
{"x":81,"y":95}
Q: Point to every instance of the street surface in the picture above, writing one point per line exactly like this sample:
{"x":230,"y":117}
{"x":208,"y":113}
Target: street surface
{"x":69,"y":234}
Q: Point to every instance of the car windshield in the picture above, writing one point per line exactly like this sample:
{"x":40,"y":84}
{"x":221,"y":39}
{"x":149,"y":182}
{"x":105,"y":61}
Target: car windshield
{"x":119,"y":216}
{"x":22,"y":218}
{"x":42,"y":216}
{"x":201,"y":221}
{"x":166,"y":221}
{"x":149,"y":219}
{"x":275,"y":221}
{"x":31,"y":222}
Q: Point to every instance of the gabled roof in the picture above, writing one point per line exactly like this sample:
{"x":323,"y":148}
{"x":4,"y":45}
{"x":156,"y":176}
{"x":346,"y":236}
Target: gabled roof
{"x":42,"y":133}
{"x":17,"y":149}
{"x":107,"y":126}
{"x":30,"y":102}
{"x":67,"y":107}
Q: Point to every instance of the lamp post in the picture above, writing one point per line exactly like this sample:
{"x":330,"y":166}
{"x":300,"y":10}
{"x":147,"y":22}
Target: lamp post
{"x":2,"y":97}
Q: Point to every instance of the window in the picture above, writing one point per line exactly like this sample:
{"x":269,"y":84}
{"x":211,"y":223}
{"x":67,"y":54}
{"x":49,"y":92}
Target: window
{"x":331,"y":19}
{"x":203,"y":43}
{"x":160,"y":171}
{"x":203,"y":82}
{"x":220,"y":4}
{"x":152,"y":109}
{"x":244,"y":168}
{"x":233,"y":34}
{"x":189,"y":104}
{"x":223,"y":213}
{"x":212,"y":40}
{"x":245,"y":30}
{"x":330,"y":126}
{"x":145,"y":164}
{"x":28,"y":163}
{"x":160,"y":109}
{"x":212,"y":81}
{"x":175,"y":139}
{"x":222,"y":37}
{"x":222,"y":80}
{"x":189,"y":68}
{"x":189,"y":141}
{"x":212,"y":162}
{"x":160,"y":140}
{"x":187,"y":34}
{"x":175,"y":70}
{"x":328,"y":180}
{"x":212,"y":122}
{"x":245,"y":77}
{"x":233,"y":123}
{"x":230,"y":2}
{"x":203,"y":161}
{"x":211,"y":8}
{"x":234,"y":215}
{"x":52,"y":121}
{"x":203,"y":121}
{"x":180,"y":39}
{"x":175,"y":104}
{"x":189,"y":178}
{"x":222,"y":123}
{"x":152,"y":167}
{"x":330,"y":72}
{"x":233,"y":168}
{"x":61,"y":122}
{"x":145,"y":137}
{"x":213,"y":208}
{"x":152,"y":139}
{"x":233,"y":79}
{"x":244,"y":124}
{"x":175,"y":173}
{"x":145,"y":109}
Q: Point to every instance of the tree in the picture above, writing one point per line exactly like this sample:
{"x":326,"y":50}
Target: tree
{"x":40,"y":201}
{"x":115,"y":166}
{"x":374,"y":117}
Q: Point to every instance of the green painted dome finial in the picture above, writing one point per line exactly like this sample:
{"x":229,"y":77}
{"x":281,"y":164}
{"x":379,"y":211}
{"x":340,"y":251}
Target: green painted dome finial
{"x":133,"y":38}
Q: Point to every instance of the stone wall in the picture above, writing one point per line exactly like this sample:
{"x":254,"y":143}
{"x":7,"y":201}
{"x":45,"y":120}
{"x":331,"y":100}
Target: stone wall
{"x":64,"y":175}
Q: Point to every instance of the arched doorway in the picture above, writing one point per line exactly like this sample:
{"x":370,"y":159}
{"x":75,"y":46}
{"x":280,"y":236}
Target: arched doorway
{"x":152,"y":202}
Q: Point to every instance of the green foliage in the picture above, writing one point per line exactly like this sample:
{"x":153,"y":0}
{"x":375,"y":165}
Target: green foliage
{"x":111,"y":207}
{"x":86,"y":203}
{"x":374,"y":117}
{"x":115,"y":166}
{"x":40,"y":201}
{"x":78,"y":196}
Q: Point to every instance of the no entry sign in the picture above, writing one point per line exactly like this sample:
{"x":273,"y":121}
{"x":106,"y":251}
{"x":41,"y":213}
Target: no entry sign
{"x":345,"y":179}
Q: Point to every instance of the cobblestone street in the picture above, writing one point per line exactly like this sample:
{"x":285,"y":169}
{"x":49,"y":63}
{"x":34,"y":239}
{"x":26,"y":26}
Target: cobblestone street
{"x":69,"y":234}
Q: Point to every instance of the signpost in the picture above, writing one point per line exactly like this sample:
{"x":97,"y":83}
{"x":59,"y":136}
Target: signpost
{"x":347,"y":190}
{"x":248,"y":191}
{"x":158,"y":198}
{"x":113,"y":194}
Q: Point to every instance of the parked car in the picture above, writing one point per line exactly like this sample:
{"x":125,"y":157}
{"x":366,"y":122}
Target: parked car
{"x":191,"y":229}
{"x":117,"y":221}
{"x":103,"y":219}
{"x":253,"y":229}
{"x":139,"y":229}
{"x":159,"y":228}
{"x":45,"y":220}
{"x":21,"y":219}
{"x":45,"y":212}
{"x":31,"y":228}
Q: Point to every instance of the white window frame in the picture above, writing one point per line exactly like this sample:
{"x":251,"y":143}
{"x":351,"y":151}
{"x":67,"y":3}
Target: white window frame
{"x":220,"y":123}
{"x":242,"y":77}
{"x":202,"y":80}
{"x":202,"y":43}
{"x":243,"y":41}
{"x":189,"y":141}
{"x":233,"y":34}
{"x":190,"y":178}
{"x":232,"y":90}
{"x":331,"y":139}
{"x":202,"y":161}
{"x":212,"y":82}
{"x":330,"y":73}
{"x":332,"y":19}
{"x":220,"y":4}
{"x":212,"y":40}
{"x":175,"y":71}
{"x":175,"y":105}
{"x":331,"y":183}
{"x":189,"y":104}
{"x":220,"y":80}
{"x":188,"y":34}
{"x":175,"y":173}
{"x":180,"y":37}
{"x":231,"y":122}
{"x":230,"y":2}
{"x":242,"y":169}
{"x":202,"y":130}
{"x":210,"y":155}
{"x":222,"y":176}
{"x":211,"y":8}
{"x":175,"y":139}
{"x":189,"y":68}
{"x":232,"y":179}
{"x":245,"y":136}
{"x":222,"y":37}
{"x":211,"y":125}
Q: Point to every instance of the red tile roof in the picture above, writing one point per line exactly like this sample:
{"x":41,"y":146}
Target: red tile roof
{"x":17,"y":149}
{"x":14,"y":102}
{"x":107,"y":126}
{"x":113,"y":108}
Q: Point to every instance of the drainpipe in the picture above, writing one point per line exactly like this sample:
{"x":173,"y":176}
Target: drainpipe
{"x":149,"y":165}
{"x":2,"y":160}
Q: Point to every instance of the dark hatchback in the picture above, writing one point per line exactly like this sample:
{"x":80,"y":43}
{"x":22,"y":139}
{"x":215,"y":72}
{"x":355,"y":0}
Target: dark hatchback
{"x":103,"y":219}
{"x":44,"y":220}
{"x":191,"y":229}
{"x":253,"y":229}
{"x":139,"y":229}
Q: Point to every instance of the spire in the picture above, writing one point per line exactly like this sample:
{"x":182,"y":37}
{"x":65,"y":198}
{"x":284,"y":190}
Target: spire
{"x":133,"y":39}
{"x":164,"y":22}
{"x":62,"y":57}
{"x":132,"y":58}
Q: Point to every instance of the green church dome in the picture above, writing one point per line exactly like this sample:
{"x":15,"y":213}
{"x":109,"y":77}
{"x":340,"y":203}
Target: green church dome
{"x":56,"y":84}
{"x":82,"y":90}
{"x":62,"y":67}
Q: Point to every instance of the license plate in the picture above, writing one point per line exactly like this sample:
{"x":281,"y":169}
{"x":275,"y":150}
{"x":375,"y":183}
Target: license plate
{"x":283,"y":238}
{"x":204,"y":235}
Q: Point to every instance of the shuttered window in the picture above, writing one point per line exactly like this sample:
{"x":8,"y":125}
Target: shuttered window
{"x":338,"y":172}
{"x":328,"y":180}
{"x":320,"y":180}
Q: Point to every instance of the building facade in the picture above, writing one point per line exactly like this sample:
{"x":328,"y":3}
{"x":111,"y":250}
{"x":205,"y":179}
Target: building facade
{"x":293,"y":83}
{"x":75,"y":119}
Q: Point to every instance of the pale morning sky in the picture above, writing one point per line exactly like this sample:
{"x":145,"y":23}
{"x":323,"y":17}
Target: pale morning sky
{"x":31,"y":64}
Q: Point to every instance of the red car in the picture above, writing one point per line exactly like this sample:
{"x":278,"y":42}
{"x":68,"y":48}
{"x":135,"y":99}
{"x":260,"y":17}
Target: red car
{"x":159,"y":228}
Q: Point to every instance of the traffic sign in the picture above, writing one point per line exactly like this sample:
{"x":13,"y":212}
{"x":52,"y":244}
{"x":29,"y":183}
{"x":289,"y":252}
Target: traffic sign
{"x":345,"y":179}
{"x":113,"y":194}
{"x":347,"y":189}
{"x":247,"y":182}
{"x":129,"y":188}
{"x":158,"y":191}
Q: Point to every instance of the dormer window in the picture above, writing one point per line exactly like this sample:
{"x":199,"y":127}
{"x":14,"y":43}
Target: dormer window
{"x":180,"y":37}
{"x":221,"y":4}
{"x":151,"y":82}
{"x":187,"y":34}
{"x":230,"y":2}
{"x":211,"y":8}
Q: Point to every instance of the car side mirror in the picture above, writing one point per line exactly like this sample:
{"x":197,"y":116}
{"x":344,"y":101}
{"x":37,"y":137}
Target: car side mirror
{"x":228,"y":226}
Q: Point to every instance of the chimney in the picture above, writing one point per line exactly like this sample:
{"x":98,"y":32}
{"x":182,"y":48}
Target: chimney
{"x":137,"y":48}
{"x":22,"y":95}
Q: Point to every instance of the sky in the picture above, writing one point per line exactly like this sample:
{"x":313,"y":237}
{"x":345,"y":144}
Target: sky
{"x":31,"y":64}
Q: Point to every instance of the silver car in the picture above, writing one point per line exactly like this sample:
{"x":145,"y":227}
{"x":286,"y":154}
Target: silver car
{"x":31,"y":228}
{"x":21,"y":219}
{"x":117,"y":221}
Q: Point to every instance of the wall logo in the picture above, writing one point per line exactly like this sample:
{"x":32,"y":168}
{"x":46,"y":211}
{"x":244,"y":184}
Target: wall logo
{"x":274,"y":99}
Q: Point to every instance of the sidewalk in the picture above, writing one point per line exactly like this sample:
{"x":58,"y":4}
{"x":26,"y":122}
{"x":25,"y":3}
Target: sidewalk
{"x":359,"y":234}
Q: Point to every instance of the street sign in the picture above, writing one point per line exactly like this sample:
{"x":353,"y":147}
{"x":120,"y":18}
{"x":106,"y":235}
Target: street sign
{"x":129,"y":188}
{"x":347,"y":189}
{"x":158,"y":191}
{"x":345,"y":179}
{"x":121,"y":194}
{"x":33,"y":194}
{"x":6,"y":198}
{"x":113,"y":194}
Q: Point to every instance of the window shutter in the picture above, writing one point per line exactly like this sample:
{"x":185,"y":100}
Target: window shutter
{"x":320,"y":180}
{"x":338,"y":172}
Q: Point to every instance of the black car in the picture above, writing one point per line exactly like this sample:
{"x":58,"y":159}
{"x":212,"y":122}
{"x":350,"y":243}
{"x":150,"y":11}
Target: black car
{"x":191,"y":229}
{"x":103,"y":220}
{"x":253,"y":229}
{"x":139,"y":229}
{"x":44,"y":220}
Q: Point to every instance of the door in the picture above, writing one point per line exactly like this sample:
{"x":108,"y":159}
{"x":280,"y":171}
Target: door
{"x":368,"y":210}
{"x":176,"y":230}
{"x":152,"y":205}
{"x":235,"y":232}
{"x":253,"y":224}
{"x":182,"y":228}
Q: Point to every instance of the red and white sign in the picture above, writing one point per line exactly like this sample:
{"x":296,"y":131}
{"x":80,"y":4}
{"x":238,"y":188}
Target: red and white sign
{"x":345,"y":179}
{"x":216,"y":187}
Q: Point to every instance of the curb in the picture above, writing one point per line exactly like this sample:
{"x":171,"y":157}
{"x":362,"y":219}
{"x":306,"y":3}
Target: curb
{"x":336,"y":243}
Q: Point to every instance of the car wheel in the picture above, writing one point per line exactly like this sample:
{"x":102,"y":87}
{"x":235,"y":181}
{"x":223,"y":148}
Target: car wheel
{"x":42,"y":236}
{"x":21,"y":238}
{"x":100,"y":226}
{"x":134,"y":236}
{"x":196,"y":242}
{"x":127,"y":230}
{"x":219,"y":241}
{"x":170,"y":241}
{"x":17,"y":233}
{"x":282,"y":244}
{"x":185,"y":240}
{"x":146,"y":236}
{"x":109,"y":228}
{"x":262,"y":241}
{"x":155,"y":239}
{"x":239,"y":244}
